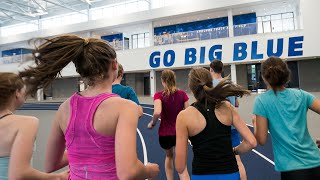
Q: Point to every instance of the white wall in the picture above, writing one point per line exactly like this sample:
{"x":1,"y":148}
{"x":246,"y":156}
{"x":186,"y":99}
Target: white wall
{"x":311,"y":25}
{"x":188,"y":6}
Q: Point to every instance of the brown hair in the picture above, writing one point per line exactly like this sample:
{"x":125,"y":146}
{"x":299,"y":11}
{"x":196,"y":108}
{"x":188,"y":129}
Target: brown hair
{"x":169,"y":78}
{"x":120,"y":70}
{"x":200,"y":83}
{"x":275,"y":72}
{"x":91,"y":57}
{"x":216,"y":66}
{"x":9,"y":83}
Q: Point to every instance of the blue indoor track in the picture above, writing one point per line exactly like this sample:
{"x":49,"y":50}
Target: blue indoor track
{"x":258,"y":163}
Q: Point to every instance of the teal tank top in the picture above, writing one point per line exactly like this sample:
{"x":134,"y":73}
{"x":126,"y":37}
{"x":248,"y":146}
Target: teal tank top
{"x":4,"y":164}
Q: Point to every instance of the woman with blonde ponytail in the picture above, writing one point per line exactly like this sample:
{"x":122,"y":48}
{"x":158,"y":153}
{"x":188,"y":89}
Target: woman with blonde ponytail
{"x":167,"y":104}
{"x":207,"y":123}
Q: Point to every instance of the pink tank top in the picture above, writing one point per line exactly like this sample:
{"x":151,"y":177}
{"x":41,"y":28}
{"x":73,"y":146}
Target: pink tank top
{"x":91,"y":155}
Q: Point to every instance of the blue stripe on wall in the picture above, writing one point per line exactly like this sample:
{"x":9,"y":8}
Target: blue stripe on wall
{"x":245,"y":19}
{"x":18,"y":51}
{"x":192,"y":26}
{"x":110,"y":38}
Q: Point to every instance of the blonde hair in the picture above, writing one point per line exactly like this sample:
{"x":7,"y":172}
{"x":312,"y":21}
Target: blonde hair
{"x":169,"y":78}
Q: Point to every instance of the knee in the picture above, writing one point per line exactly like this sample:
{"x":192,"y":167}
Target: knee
{"x":169,"y":153}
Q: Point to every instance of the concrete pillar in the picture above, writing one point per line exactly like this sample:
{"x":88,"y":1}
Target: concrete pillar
{"x":152,"y":82}
{"x":151,"y":34}
{"x":230,"y":22}
{"x":40,"y":95}
{"x":233,"y":73}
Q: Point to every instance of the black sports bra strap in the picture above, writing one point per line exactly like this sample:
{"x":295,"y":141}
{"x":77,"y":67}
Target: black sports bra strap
{"x":6,"y":115}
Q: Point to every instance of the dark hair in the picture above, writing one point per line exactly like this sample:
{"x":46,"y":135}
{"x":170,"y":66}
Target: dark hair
{"x":91,"y":57}
{"x":169,"y":78}
{"x":216,"y":66}
{"x":275,"y":72}
{"x":120,"y":70}
{"x":200,"y":83}
{"x":9,"y":83}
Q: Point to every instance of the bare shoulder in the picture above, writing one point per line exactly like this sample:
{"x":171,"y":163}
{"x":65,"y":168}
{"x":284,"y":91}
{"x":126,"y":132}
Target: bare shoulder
{"x":118,"y":103}
{"x":26,"y":121}
{"x":65,"y":105}
{"x":188,"y":113}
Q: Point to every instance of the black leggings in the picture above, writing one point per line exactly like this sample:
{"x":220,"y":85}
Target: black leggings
{"x":303,"y":174}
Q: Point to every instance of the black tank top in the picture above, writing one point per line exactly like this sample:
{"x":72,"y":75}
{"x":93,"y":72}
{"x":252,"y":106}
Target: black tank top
{"x":212,"y":147}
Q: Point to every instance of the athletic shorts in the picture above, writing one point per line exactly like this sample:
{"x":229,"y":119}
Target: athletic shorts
{"x":235,"y":137}
{"x":232,"y":176}
{"x":302,"y":174}
{"x":167,"y":142}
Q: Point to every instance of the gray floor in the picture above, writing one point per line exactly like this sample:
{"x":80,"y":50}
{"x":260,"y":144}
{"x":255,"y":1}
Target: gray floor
{"x":245,"y":110}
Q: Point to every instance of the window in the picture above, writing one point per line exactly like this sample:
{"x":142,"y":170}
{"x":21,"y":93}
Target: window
{"x":276,"y":22}
{"x":140,"y":40}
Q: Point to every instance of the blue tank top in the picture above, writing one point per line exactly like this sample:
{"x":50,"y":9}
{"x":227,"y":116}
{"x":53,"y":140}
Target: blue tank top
{"x":4,"y":163}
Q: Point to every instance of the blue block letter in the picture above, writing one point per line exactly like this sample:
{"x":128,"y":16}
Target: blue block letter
{"x":239,"y":48}
{"x":154,"y":62}
{"x":295,"y":43}
{"x":190,"y":56}
{"x":213,"y":54}
{"x":170,"y":62}
{"x":254,"y":51}
{"x":202,"y":54}
{"x":279,"y":51}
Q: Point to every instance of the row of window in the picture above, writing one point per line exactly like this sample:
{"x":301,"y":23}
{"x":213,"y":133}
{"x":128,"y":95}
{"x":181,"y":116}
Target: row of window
{"x":109,"y":11}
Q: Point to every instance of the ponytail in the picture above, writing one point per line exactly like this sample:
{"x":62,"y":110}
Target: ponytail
{"x":200,"y":83}
{"x":224,"y":89}
{"x":169,"y":78}
{"x":90,"y":56}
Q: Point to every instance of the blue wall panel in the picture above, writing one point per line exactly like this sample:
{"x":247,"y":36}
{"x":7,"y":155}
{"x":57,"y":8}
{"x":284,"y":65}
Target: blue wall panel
{"x":245,"y":24}
{"x":13,"y":52}
{"x":112,"y":37}
{"x":192,"y":26}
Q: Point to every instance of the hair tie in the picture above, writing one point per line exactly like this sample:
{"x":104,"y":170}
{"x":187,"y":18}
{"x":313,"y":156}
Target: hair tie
{"x":85,"y":42}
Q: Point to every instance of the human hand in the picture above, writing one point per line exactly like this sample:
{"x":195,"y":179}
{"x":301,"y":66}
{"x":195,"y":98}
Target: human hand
{"x":318,"y":142}
{"x":150,"y":124}
{"x":64,"y":175}
{"x":254,"y":120}
{"x":153,"y":170}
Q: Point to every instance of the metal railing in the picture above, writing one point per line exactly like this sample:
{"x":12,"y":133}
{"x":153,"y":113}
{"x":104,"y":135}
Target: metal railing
{"x":198,"y":35}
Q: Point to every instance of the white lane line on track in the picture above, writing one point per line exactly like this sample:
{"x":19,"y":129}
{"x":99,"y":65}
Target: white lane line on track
{"x":147,"y":107}
{"x":252,"y":127}
{"x":263,"y":156}
{"x":253,"y":150}
{"x":144,"y":148}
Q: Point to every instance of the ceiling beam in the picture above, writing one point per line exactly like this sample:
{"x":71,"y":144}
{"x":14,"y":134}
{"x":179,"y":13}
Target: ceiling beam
{"x":64,"y":6}
{"x":20,"y":4}
{"x":44,"y":9}
{"x":17,"y":19}
{"x":86,"y":1}
{"x":16,"y":5}
{"x":17,"y":12}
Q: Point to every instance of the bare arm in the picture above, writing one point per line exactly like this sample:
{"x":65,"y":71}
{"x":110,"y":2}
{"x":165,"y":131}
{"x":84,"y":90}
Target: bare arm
{"x":182,"y":143}
{"x":21,"y":152}
{"x":156,"y":113}
{"x":260,"y":125}
{"x":128,"y":165}
{"x":249,"y":141}
{"x":56,"y":156}
{"x":237,"y":102}
{"x":140,"y":111}
{"x":315,"y":106}
{"x":186,"y":104}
